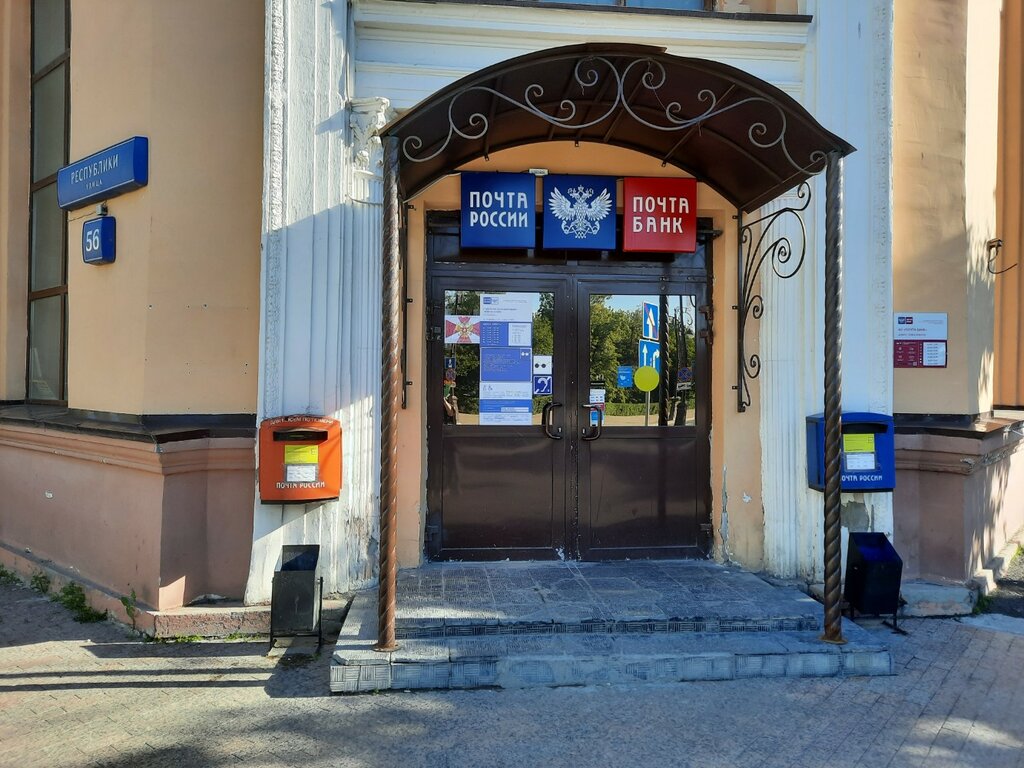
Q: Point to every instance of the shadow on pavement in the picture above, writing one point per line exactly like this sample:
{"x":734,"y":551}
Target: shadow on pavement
{"x":137,"y":649}
{"x":43,"y":649}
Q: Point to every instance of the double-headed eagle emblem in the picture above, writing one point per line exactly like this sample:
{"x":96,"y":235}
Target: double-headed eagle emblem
{"x":580,"y":218}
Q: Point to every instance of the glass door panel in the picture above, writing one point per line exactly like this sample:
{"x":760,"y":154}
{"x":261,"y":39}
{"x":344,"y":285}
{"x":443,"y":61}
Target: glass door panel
{"x":496,"y":423}
{"x":630,"y":332}
{"x":643,"y":448}
{"x":498,"y":357}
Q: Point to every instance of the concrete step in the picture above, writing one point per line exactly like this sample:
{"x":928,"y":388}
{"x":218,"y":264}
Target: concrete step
{"x":470,"y":650}
{"x":416,"y":629}
{"x":549,"y":659}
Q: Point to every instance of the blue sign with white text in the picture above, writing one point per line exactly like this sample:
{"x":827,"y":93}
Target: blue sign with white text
{"x":110,"y":172}
{"x":499,"y":333}
{"x":499,"y":210}
{"x":579,"y":212}
{"x":625,"y":376}
{"x":506,"y":363}
{"x":649,"y":354}
{"x":99,"y":237}
{"x":512,"y":412}
{"x":650,"y":321}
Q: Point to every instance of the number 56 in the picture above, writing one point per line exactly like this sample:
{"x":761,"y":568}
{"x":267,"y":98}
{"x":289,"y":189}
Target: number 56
{"x":92,"y":240}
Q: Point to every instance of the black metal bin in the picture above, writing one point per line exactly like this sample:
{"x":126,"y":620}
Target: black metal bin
{"x":873,"y":574}
{"x":296,"y":598}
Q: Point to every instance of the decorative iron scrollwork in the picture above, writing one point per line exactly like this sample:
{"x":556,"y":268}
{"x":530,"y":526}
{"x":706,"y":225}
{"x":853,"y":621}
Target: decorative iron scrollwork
{"x":759,"y":241}
{"x":592,"y":73}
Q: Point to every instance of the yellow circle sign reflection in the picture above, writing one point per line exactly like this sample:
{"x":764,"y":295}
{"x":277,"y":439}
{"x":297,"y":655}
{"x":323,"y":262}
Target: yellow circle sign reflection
{"x":645,"y":378}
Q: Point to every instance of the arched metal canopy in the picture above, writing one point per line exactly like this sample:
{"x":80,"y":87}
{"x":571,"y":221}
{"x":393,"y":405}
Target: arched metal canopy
{"x":734,"y":132}
{"x":742,"y":136}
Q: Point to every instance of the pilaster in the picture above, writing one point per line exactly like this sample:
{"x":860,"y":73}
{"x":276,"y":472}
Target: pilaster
{"x":320,"y":350}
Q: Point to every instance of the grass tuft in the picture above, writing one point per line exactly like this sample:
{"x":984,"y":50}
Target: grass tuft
{"x":72,"y":597}
{"x":9,"y":578}
{"x":983,"y":605}
{"x":40,"y":582}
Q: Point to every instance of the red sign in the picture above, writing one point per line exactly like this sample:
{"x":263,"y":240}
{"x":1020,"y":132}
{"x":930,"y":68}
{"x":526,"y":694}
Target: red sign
{"x":659,"y":215}
{"x":919,"y":354}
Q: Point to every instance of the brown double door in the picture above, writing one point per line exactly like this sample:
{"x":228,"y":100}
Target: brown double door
{"x":544,"y":441}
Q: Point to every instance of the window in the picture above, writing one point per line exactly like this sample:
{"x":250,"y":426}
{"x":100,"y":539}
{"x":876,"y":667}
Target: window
{"x":673,"y":5}
{"x":48,"y":241}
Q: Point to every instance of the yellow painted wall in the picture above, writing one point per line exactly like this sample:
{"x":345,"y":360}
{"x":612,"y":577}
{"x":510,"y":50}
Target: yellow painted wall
{"x":172,"y":326}
{"x":1009,"y":352}
{"x":735,"y":441}
{"x":945,"y":60}
{"x":765,"y":6}
{"x":15,"y":88}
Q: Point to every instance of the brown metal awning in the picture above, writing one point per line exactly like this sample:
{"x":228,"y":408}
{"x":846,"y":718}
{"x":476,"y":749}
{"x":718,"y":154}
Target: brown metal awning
{"x":745,"y":138}
{"x":734,"y":132}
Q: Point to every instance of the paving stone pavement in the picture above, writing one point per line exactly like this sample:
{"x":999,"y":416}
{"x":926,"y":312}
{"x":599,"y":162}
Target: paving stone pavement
{"x":93,"y":695}
{"x":1008,"y":597}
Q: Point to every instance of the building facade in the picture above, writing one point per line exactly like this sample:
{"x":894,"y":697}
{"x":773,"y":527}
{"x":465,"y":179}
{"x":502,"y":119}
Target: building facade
{"x":248,"y":285}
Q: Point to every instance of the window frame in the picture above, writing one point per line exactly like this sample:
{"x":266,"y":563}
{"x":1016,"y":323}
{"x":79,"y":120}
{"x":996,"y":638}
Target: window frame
{"x":61,"y":289}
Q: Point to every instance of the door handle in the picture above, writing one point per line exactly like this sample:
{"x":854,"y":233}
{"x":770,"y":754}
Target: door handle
{"x":546,"y":420}
{"x":600,"y":422}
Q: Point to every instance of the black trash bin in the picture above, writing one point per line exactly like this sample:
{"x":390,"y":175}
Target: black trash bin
{"x":873,"y":573}
{"x":296,"y":599}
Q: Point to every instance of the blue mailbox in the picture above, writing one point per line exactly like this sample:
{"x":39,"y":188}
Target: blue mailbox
{"x":867,"y":456}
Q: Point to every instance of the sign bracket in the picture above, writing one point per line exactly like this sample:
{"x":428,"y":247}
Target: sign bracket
{"x":761,"y":240}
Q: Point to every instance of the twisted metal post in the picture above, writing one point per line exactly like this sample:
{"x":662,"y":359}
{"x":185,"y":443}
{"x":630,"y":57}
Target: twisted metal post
{"x":390,"y":392}
{"x":833,"y":392}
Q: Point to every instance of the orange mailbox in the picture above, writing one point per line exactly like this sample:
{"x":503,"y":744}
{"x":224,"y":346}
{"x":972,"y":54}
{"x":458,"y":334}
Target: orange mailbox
{"x":300,"y":459}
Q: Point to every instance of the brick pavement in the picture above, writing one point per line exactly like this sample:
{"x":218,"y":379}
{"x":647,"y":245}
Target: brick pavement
{"x":1008,"y":597}
{"x":90,"y":694}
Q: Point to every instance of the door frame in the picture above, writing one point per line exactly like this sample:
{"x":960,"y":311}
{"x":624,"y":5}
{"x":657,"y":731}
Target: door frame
{"x":564,"y":339}
{"x":587,"y":285}
{"x":514,"y":274}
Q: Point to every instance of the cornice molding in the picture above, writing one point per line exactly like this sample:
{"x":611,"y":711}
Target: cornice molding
{"x":202,"y":455}
{"x":513,"y":23}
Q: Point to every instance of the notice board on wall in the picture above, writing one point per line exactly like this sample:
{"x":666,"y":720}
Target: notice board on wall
{"x":920,"y":339}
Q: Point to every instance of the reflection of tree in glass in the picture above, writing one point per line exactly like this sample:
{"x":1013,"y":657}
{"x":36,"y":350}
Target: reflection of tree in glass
{"x":614,"y":340}
{"x":543,"y":325}
{"x":544,"y":338}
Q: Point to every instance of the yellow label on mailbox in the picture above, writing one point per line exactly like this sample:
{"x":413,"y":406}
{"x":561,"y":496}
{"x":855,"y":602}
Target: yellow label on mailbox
{"x":859,"y":443}
{"x":301,"y":454}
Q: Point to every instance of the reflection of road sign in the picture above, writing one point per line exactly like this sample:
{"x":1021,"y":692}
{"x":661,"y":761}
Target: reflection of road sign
{"x":650,"y":321}
{"x":686,"y":374}
{"x":645,"y":378}
{"x":649,"y":354}
{"x":625,"y":377}
{"x":542,"y":385}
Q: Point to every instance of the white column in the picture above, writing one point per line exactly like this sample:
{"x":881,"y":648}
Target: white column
{"x":791,"y":385}
{"x":320,"y":331}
